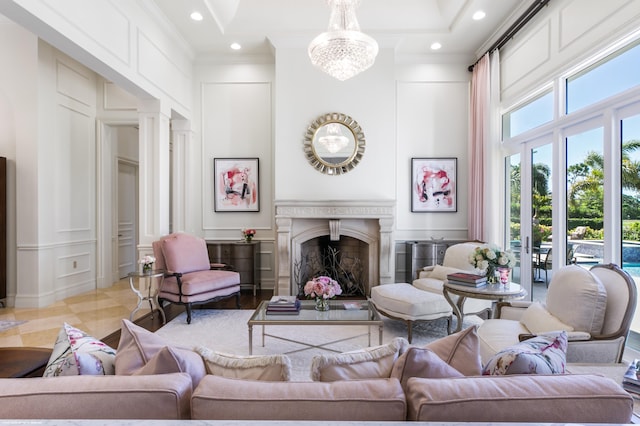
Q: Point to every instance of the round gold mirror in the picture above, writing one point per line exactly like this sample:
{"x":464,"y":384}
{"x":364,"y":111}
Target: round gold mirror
{"x":334,"y":143}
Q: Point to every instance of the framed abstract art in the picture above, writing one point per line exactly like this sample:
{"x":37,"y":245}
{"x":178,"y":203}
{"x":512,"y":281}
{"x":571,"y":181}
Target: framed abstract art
{"x":236,"y":185}
{"x":433,"y":185}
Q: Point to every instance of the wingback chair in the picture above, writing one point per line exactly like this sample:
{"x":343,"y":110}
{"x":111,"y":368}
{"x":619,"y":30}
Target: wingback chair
{"x":595,"y":307}
{"x":189,"y":278}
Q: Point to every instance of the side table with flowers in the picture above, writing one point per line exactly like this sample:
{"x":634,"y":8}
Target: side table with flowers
{"x":322,"y":289}
{"x":248,"y":234}
{"x":490,"y":259}
{"x":147,"y":263}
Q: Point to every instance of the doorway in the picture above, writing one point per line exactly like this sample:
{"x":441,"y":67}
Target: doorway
{"x":127,"y":217}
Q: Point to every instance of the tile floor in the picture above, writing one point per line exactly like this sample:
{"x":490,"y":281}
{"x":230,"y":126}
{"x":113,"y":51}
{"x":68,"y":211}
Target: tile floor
{"x":98,"y":313}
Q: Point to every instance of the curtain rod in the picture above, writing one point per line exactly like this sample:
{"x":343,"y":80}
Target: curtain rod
{"x":535,"y":7}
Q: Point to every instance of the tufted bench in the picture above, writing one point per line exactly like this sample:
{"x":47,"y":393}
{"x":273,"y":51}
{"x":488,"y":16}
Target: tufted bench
{"x":405,"y":302}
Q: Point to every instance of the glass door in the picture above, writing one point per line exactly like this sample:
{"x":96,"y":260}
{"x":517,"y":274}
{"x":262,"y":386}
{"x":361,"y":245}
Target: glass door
{"x":529,"y":213}
{"x":540,"y":215}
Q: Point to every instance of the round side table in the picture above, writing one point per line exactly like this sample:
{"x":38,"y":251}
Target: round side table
{"x":147,"y":289}
{"x":498,"y":292}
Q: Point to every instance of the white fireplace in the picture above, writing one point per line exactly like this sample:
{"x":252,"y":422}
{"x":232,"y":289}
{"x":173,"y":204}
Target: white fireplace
{"x":369,"y":221}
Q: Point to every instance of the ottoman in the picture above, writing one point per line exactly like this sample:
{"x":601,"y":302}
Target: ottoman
{"x":402,"y":301}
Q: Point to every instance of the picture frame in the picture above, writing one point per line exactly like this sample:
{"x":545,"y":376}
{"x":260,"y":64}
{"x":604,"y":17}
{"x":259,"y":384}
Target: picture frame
{"x":434,"y":185}
{"x":236,"y":184}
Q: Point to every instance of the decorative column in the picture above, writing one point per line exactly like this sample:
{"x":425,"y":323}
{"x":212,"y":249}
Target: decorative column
{"x":154,"y":167}
{"x":387,"y":251}
{"x":283,"y":273}
{"x":182,"y":135}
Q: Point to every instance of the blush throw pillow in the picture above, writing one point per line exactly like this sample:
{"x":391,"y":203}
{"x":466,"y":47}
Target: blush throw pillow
{"x":76,"y":353}
{"x":460,"y":350}
{"x":544,"y":354}
{"x":141,"y":352}
{"x":421,"y":362}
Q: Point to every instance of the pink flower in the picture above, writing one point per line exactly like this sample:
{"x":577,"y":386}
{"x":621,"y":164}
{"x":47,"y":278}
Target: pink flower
{"x":323,"y":286}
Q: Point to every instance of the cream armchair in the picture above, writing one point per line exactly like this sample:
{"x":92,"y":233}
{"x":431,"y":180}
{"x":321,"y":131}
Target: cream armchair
{"x":594,"y":306}
{"x":456,"y":259}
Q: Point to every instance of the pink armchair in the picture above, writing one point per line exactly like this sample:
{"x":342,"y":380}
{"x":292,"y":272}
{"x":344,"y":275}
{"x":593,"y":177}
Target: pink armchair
{"x":189,"y":277}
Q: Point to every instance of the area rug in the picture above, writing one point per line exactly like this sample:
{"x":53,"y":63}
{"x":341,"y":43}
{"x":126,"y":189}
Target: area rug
{"x":6,"y":324}
{"x":225,"y":330}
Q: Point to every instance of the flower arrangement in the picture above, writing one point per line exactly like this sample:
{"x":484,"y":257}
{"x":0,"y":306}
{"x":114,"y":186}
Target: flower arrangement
{"x":248,"y":234}
{"x":488,"y":259}
{"x":147,"y":262}
{"x":322,"y":288}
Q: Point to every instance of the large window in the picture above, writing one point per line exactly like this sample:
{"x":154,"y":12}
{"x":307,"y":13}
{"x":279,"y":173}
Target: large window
{"x":528,"y":116}
{"x":614,"y":74}
{"x":594,"y":170}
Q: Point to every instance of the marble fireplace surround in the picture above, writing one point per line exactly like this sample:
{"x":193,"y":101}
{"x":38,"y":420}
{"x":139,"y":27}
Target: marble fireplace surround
{"x":368,"y":221}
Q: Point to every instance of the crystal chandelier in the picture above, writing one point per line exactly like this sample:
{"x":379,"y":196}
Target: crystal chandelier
{"x":334,"y":141}
{"x":343,"y":51}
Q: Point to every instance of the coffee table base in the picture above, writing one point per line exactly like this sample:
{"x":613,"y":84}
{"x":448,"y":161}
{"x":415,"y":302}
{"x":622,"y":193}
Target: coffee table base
{"x":308,"y":346}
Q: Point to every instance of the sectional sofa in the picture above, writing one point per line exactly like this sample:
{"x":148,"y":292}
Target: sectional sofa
{"x":440,"y":382}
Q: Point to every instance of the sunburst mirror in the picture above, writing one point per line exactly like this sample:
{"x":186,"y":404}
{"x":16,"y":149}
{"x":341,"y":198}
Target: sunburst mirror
{"x":334,"y":143}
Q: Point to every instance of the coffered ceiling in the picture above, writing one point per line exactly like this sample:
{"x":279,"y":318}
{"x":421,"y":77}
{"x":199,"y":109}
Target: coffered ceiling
{"x":409,"y":26}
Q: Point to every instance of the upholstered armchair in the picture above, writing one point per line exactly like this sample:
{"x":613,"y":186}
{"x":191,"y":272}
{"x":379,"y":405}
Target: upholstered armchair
{"x":456,"y":259}
{"x":595,"y":307}
{"x":189,"y":277}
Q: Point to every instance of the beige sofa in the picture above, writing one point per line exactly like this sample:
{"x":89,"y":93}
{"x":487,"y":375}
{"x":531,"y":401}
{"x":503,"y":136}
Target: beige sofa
{"x":392,"y":382}
{"x":526,"y":398}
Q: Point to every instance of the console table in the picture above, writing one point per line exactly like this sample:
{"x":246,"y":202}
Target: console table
{"x":243,"y":256}
{"x":147,"y":290}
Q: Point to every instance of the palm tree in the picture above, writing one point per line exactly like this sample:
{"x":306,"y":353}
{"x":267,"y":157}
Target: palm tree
{"x":589,"y":175}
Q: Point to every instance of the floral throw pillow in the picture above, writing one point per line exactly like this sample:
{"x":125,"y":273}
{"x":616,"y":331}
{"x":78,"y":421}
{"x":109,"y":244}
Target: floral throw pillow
{"x":76,"y":353}
{"x":544,"y":354}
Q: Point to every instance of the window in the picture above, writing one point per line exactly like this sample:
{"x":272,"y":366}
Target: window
{"x":630,"y":149}
{"x":610,"y":76}
{"x":528,"y":116}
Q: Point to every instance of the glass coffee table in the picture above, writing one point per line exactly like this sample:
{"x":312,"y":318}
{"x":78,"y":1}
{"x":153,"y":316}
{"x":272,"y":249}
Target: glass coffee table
{"x":366,"y":315}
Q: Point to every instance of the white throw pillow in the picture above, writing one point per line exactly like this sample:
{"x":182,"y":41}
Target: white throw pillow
{"x":440,"y":272}
{"x":577,"y":298}
{"x":272,"y":368}
{"x":538,"y":320}
{"x":370,"y":363}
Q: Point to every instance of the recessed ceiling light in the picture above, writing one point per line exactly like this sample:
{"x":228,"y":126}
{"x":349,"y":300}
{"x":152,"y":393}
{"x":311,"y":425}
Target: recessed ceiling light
{"x":435,"y":46}
{"x":196,"y":16}
{"x":236,"y":46}
{"x":479,"y":15}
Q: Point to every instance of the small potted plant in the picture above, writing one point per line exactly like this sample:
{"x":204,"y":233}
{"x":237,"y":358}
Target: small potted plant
{"x":248,"y":234}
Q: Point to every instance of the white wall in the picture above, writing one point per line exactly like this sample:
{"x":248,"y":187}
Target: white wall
{"x":18,"y":101}
{"x":561,"y":36}
{"x":432,"y":121}
{"x":302,"y":94}
{"x":126,"y":42}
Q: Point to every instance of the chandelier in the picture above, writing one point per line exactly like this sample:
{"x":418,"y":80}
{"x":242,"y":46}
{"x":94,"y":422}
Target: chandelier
{"x":334,"y":141}
{"x":343,"y":51}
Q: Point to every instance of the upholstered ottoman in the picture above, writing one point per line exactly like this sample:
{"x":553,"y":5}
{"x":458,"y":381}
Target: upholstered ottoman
{"x":403,"y":301}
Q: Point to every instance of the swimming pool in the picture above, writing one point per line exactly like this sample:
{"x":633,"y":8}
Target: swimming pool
{"x":632,"y":268}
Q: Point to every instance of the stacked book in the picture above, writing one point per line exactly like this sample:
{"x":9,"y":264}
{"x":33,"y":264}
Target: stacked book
{"x":631,"y":379}
{"x":465,"y":278}
{"x":283,"y":305}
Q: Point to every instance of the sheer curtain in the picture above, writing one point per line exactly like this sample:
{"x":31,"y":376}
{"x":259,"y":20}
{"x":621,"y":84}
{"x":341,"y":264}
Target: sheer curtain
{"x":484,"y":154}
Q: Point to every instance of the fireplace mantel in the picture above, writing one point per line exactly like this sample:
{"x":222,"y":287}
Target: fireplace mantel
{"x":371,"y":221}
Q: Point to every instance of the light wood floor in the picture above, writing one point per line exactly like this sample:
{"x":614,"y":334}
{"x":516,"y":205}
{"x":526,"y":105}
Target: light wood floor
{"x":99,"y":313}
